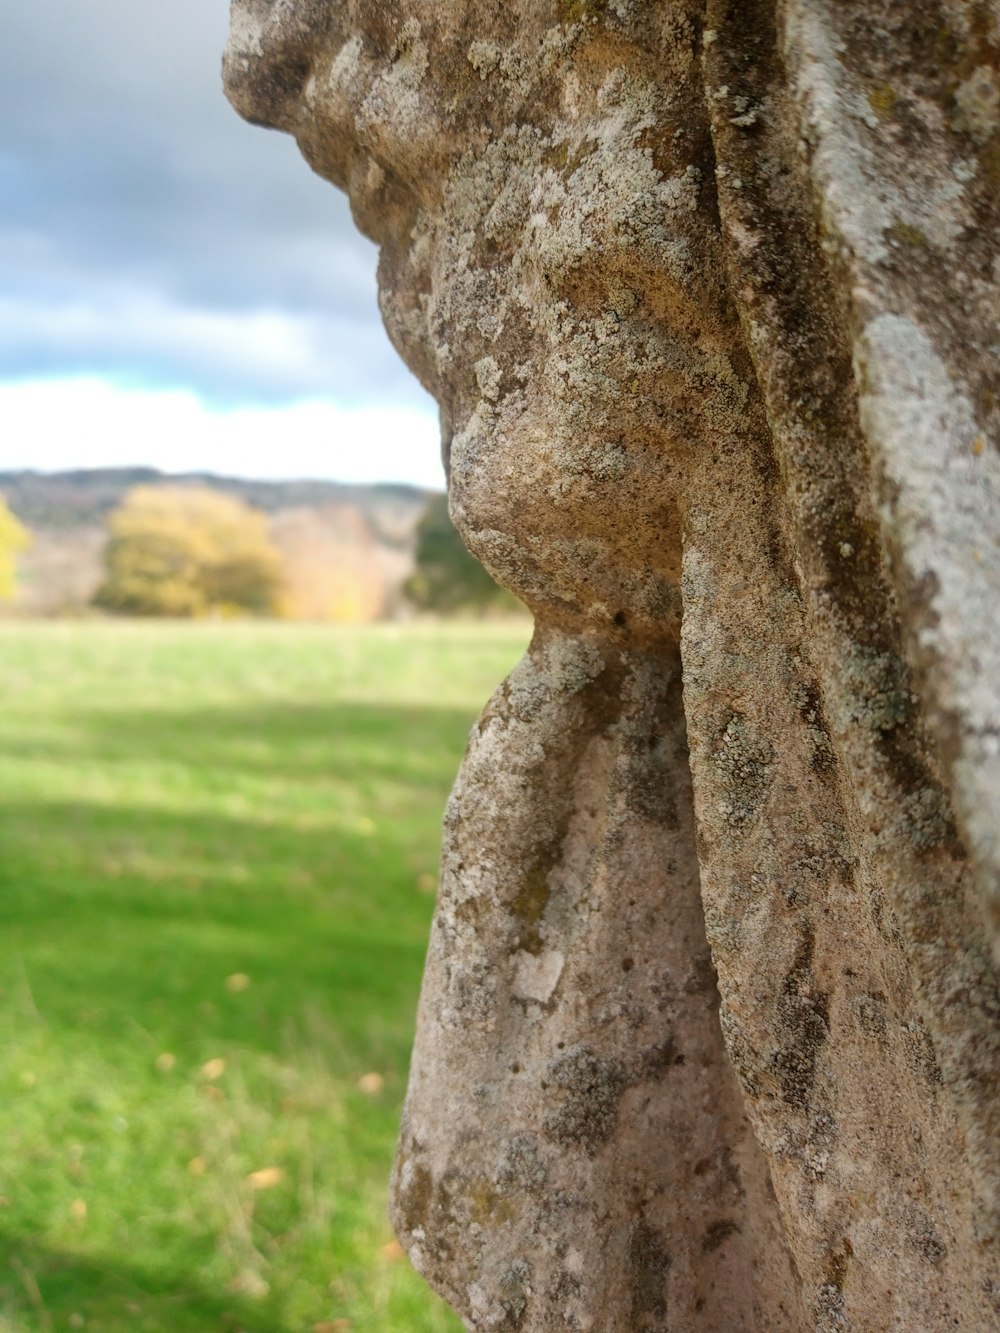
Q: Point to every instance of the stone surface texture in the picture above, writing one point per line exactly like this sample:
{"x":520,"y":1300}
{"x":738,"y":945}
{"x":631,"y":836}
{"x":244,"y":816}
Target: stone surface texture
{"x":709,"y":295}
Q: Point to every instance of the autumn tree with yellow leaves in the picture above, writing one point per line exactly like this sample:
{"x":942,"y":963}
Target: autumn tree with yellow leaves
{"x":189,"y":551}
{"x":14,"y":538}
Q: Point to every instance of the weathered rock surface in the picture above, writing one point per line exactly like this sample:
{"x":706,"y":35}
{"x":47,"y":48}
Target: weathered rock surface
{"x":709,"y":294}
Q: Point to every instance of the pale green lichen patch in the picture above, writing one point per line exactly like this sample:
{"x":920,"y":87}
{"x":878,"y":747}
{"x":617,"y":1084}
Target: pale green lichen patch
{"x":592,"y":1089}
{"x":977,"y":105}
{"x":515,"y":1290}
{"x":520,"y":1164}
{"x":878,"y":690}
{"x":744,"y":762}
{"x":925,"y":818}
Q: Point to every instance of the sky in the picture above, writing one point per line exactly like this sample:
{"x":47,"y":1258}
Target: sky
{"x":177,"y":289}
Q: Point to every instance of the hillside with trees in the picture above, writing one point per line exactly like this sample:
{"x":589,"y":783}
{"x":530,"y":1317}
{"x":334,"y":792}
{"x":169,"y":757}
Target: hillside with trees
{"x":133,"y":541}
{"x":371,"y":529}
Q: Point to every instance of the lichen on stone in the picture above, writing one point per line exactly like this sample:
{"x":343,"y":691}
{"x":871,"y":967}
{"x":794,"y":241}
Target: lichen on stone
{"x":707,"y":295}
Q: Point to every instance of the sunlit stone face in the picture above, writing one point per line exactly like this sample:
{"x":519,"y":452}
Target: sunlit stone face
{"x":549,"y":264}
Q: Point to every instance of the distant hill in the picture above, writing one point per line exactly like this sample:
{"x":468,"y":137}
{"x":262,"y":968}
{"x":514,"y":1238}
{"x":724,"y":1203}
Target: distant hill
{"x":85,"y":497}
{"x":67,"y":513}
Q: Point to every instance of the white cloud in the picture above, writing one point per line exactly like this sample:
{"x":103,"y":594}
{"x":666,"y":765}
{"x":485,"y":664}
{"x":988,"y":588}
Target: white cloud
{"x":257,"y":356}
{"x":55,"y":424}
{"x":151,"y":237}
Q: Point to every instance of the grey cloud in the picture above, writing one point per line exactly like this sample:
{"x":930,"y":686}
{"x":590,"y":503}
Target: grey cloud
{"x":130,"y":185}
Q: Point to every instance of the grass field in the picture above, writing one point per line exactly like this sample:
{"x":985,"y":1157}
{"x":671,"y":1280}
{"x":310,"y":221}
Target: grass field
{"x":218,"y":848}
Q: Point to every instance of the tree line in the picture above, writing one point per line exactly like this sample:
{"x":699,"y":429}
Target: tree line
{"x":192,"y":551}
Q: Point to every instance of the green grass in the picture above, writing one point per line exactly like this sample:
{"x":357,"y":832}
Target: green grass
{"x":181,"y":806}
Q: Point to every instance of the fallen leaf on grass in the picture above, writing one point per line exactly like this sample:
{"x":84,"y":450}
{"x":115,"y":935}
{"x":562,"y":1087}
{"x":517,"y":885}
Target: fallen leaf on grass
{"x":197,"y":1166}
{"x":266,"y":1178}
{"x":213,"y":1069}
{"x":79,"y":1209}
{"x":372,"y":1084}
{"x":165,"y":1062}
{"x":393,"y":1252}
{"x":239,"y":981}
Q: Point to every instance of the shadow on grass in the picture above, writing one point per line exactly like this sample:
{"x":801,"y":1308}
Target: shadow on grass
{"x":106,"y":900}
{"x":51,"y":1289}
{"x":115,"y":913}
{"x":302,"y":741}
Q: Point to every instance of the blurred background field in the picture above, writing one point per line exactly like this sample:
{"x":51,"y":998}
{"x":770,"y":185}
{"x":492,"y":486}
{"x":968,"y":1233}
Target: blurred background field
{"x":219,"y":853}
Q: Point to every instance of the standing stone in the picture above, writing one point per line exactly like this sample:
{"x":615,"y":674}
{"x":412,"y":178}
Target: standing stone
{"x":709,"y":295}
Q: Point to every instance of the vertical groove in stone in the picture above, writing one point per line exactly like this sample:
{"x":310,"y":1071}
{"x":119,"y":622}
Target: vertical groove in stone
{"x":575,"y":1152}
{"x":800,"y":296}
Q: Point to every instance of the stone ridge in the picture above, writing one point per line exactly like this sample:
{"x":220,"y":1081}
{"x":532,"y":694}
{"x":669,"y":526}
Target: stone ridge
{"x":707,"y":292}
